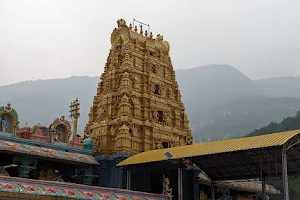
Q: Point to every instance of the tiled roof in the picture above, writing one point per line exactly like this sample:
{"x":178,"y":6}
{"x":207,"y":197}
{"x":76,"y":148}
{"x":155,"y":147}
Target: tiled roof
{"x":211,"y":148}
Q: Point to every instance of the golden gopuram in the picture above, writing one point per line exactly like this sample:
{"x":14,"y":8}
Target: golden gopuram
{"x":138,"y":104}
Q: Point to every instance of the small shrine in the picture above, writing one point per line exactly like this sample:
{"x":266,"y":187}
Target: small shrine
{"x":51,"y":142}
{"x":8,"y":119}
{"x":44,"y":156}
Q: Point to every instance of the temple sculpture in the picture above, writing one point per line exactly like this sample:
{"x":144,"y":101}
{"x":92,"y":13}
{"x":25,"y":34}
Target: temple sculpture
{"x":167,"y":190}
{"x":138,"y":104}
{"x":8,"y":119}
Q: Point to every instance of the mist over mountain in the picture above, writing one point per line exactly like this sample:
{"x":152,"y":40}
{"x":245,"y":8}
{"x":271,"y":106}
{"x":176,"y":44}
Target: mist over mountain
{"x":221,"y":102}
{"x":45,"y":100}
{"x":280,"y":86}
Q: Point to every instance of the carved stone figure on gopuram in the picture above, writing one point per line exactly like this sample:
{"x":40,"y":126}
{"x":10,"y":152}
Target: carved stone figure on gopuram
{"x":138,"y":104}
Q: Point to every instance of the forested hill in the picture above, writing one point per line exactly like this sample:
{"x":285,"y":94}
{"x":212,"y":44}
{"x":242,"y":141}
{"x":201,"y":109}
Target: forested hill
{"x":289,"y":123}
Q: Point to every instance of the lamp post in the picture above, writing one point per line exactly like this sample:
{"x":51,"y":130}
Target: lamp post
{"x":74,"y":114}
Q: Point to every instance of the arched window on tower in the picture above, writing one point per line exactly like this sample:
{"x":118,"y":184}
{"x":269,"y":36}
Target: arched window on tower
{"x":165,"y":145}
{"x":160,"y":116}
{"x":153,"y":69}
{"x":156,"y":89}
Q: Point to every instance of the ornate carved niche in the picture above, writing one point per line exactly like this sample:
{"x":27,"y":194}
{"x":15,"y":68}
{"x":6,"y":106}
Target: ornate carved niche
{"x":136,"y":82}
{"x":102,"y":112}
{"x":177,"y":117}
{"x":125,"y":80}
{"x":188,"y":140}
{"x":153,"y":68}
{"x":162,"y":90}
{"x":167,"y":118}
{"x":147,"y":133}
{"x":154,"y":115}
{"x":115,"y":105}
{"x":8,"y":119}
{"x":136,"y":106}
{"x":156,"y":89}
{"x":172,"y":93}
{"x":160,"y":116}
{"x":124,"y":105}
{"x":60,"y":130}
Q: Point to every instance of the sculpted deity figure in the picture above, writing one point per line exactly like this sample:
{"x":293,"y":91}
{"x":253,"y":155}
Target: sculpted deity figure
{"x":136,"y":102}
{"x":102,"y":113}
{"x":154,"y":114}
{"x":171,"y":93}
{"x":59,"y":135}
{"x":4,"y":124}
{"x":159,"y":145}
{"x":167,"y":118}
{"x":167,"y":190}
{"x":3,"y":171}
{"x":189,"y":140}
{"x":58,"y":177}
{"x":112,"y":131}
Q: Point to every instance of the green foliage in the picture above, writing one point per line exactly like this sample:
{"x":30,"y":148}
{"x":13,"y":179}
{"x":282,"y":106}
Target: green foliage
{"x":289,"y":123}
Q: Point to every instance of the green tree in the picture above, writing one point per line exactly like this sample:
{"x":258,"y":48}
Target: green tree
{"x":289,"y":123}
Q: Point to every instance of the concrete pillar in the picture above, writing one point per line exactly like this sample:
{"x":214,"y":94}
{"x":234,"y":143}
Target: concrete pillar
{"x":88,"y":176}
{"x":128,"y":184}
{"x":285,"y":174}
{"x":196,"y":181}
{"x":180,"y":189}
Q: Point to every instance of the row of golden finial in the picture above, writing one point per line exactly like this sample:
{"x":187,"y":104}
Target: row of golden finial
{"x":141,"y":30}
{"x":122,"y":22}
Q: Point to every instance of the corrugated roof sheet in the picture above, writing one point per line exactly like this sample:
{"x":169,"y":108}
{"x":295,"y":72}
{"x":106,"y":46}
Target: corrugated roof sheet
{"x":210,"y":148}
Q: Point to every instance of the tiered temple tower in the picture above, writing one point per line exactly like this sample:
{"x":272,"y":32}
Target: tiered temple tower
{"x":138,"y":104}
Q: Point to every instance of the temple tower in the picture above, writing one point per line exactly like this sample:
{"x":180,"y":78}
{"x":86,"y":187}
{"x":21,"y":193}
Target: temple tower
{"x":138,"y":104}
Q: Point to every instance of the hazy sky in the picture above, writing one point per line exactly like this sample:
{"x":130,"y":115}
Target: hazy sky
{"x":42,"y":39}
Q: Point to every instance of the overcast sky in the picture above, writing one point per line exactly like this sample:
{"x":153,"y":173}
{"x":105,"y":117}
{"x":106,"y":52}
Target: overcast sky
{"x":42,"y":39}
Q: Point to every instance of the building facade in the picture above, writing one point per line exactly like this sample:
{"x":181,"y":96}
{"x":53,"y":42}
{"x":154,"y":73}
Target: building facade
{"x":138,"y":104}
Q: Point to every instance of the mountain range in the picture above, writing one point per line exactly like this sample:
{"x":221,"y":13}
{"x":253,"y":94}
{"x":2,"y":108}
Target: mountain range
{"x":221,"y":102}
